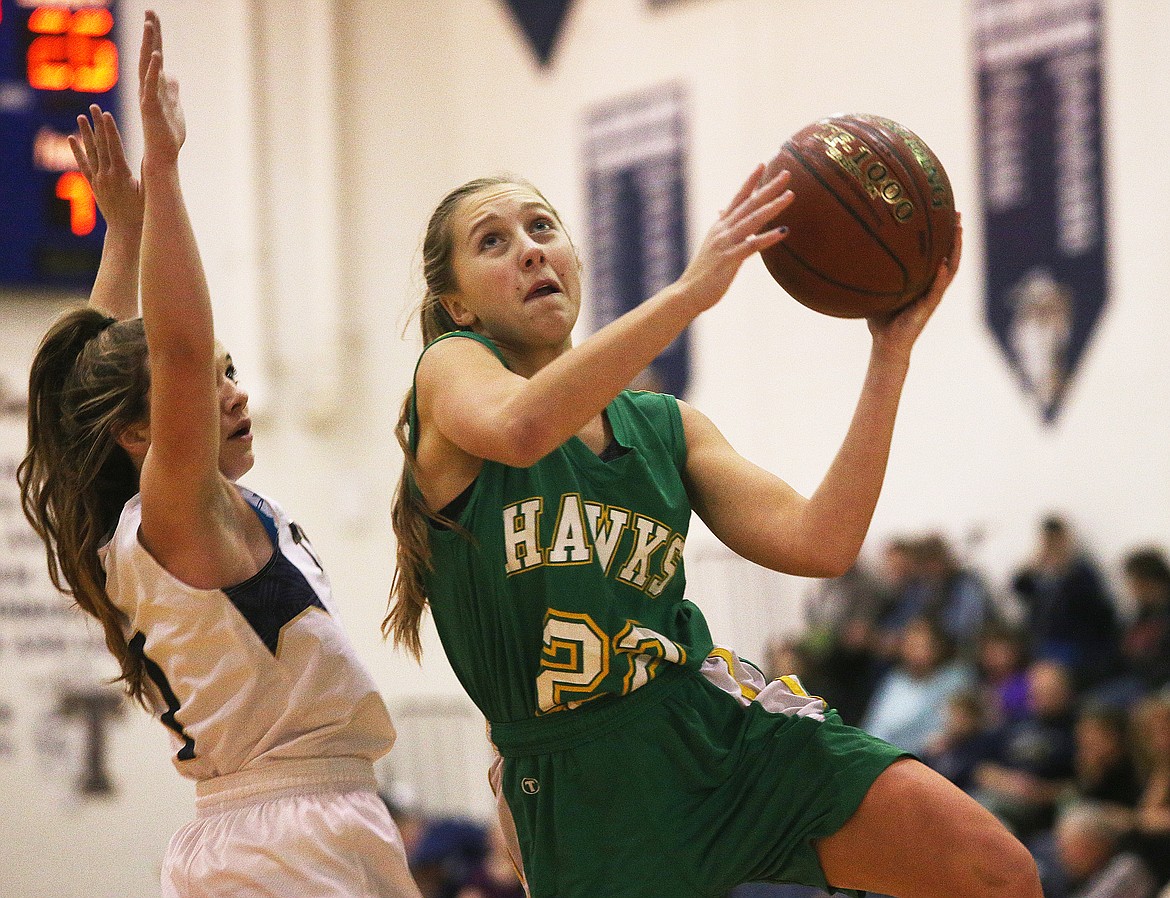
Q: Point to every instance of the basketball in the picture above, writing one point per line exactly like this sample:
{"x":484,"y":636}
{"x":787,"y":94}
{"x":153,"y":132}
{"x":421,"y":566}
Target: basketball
{"x":872,"y":219}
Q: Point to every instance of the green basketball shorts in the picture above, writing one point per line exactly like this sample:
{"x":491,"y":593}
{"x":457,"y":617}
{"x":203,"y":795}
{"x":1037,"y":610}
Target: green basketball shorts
{"x":693,"y":784}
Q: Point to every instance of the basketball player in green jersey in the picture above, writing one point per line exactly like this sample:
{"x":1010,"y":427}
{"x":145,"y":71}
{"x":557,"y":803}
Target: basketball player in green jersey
{"x":542,"y":515}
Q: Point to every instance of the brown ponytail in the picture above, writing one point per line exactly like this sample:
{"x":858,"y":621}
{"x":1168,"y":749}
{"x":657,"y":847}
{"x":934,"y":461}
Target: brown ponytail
{"x":89,"y":381}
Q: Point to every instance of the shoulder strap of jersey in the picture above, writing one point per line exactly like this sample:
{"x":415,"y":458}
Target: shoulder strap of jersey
{"x":470,"y":335}
{"x":661,"y":410}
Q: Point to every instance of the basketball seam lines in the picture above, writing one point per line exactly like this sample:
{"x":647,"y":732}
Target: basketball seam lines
{"x":911,"y":182}
{"x":799,"y":157}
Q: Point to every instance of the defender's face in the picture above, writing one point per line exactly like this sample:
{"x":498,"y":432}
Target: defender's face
{"x":235,"y":426}
{"x":517,"y":272}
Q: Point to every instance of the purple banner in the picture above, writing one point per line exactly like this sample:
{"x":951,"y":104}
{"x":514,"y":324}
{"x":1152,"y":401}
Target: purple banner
{"x":1042,"y":186}
{"x":541,"y":21}
{"x":635,"y":168}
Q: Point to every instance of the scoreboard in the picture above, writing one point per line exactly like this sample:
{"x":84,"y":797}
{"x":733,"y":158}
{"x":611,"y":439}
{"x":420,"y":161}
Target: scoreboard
{"x":56,"y":58}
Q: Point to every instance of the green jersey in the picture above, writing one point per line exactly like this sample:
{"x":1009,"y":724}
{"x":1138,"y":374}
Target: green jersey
{"x":570,"y":589}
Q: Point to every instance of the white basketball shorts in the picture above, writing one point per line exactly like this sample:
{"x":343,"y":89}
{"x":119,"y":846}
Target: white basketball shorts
{"x":311,"y":829}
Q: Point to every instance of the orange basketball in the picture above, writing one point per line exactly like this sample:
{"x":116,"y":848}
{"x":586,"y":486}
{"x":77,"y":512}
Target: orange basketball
{"x":872,"y":219}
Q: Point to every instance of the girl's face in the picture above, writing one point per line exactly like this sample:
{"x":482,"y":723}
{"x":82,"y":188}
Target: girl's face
{"x":517,"y":272}
{"x":235,"y":427}
{"x":999,"y":657}
{"x":921,"y":652}
{"x":1097,"y":744}
{"x":235,"y":424}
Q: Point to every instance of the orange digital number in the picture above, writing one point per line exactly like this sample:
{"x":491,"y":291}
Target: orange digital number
{"x":71,"y":50}
{"x":74,"y":189}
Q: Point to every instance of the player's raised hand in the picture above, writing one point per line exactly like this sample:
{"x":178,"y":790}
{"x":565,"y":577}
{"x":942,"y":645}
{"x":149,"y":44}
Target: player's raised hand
{"x":737,"y":233}
{"x":163,"y":126}
{"x":101,"y":157}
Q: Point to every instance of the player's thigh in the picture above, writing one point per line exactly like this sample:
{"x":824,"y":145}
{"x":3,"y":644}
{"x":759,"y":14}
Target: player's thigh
{"x":916,"y":835}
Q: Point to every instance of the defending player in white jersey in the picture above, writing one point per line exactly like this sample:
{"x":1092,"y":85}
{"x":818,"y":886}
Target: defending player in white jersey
{"x":211,"y":599}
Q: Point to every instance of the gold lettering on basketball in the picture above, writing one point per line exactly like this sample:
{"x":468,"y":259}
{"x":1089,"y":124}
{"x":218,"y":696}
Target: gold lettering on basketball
{"x":856,"y":159}
{"x":939,"y":192}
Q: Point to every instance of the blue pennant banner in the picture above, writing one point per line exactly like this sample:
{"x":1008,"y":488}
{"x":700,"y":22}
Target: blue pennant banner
{"x":1042,"y":186}
{"x":541,"y":22}
{"x":635,"y":168}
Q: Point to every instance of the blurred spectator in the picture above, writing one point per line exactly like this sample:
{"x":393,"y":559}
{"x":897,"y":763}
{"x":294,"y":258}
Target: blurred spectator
{"x":925,"y":579}
{"x":785,"y":655}
{"x":848,"y":670}
{"x":1031,"y":762}
{"x":1090,"y":860}
{"x":1145,"y":644}
{"x":1070,"y":615}
{"x":840,"y":614}
{"x":902,"y":603}
{"x":1150,"y":736}
{"x":495,"y":876}
{"x":1104,"y":771}
{"x":858,"y":593}
{"x":445,"y":856}
{"x":953,"y":595}
{"x":964,"y":741}
{"x":1002,"y":665}
{"x":907,"y":706}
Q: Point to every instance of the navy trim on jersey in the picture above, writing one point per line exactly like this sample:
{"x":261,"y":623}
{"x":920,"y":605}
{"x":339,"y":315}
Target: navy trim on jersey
{"x":277,"y":594}
{"x":263,"y":512}
{"x":137,"y":645}
{"x":302,"y":539}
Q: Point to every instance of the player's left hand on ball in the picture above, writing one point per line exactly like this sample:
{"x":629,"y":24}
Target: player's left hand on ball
{"x":906,"y":323}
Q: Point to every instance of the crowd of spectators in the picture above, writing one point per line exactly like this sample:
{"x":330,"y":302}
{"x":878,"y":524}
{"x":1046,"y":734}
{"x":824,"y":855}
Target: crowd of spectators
{"x":1048,"y":702}
{"x":453,"y":857}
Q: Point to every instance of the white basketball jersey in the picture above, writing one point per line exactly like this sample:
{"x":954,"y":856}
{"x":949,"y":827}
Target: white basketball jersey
{"x":249,"y":674}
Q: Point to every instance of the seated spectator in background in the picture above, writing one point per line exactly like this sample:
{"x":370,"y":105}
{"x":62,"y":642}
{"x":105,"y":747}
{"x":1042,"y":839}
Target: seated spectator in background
{"x":495,"y":876}
{"x":444,"y":857}
{"x":849,"y":670}
{"x":925,"y":579}
{"x":858,"y":593}
{"x":1145,"y":643}
{"x":899,"y":577}
{"x":907,"y":706}
{"x":1104,"y":771}
{"x":1090,"y":859}
{"x":953,"y":595}
{"x":1002,"y":667}
{"x":1150,"y":737}
{"x":1070,"y":615}
{"x":1031,"y":761}
{"x":964,"y":740}
{"x":840,"y":614}
{"x":785,"y":655}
